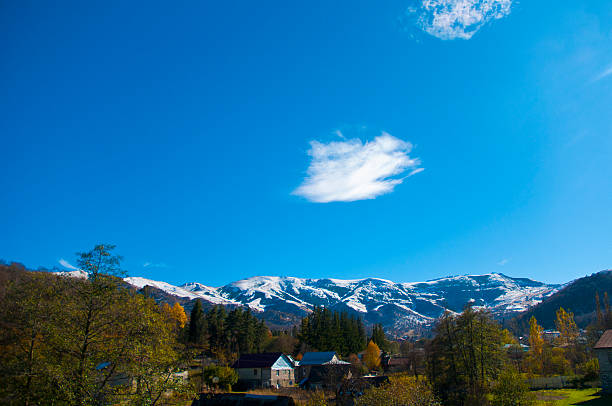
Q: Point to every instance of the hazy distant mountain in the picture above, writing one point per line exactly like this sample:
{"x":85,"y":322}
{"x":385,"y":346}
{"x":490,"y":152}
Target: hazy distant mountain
{"x":398,"y":306}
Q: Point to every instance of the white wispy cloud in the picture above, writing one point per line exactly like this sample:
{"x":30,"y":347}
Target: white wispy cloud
{"x":349,"y":170}
{"x":67,"y":264}
{"x":154,"y":265}
{"x":503,"y":262}
{"x":456,"y":19}
{"x":603,"y":74}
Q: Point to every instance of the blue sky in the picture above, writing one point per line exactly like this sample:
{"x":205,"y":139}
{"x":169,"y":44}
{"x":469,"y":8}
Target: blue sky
{"x":213,"y":141}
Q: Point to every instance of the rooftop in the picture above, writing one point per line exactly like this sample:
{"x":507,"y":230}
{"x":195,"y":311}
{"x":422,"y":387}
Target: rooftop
{"x":605,"y":341}
{"x":320,"y":358}
{"x":263,"y":360}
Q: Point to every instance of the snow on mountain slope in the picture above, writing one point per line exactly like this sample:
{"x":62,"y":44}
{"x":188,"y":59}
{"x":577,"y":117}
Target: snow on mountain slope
{"x":191,"y":290}
{"x":396,"y":305}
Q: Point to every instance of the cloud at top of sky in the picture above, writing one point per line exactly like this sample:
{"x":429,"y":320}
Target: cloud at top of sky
{"x":455,"y":19}
{"x":350,"y":170}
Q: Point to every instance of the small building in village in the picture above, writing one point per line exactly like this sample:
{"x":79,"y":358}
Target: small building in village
{"x":550,"y":335}
{"x":265,"y":370}
{"x":315,"y":368}
{"x":396,"y":363}
{"x":603,"y":349}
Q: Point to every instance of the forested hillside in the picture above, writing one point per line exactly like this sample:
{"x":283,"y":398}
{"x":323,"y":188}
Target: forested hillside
{"x":578,"y":297}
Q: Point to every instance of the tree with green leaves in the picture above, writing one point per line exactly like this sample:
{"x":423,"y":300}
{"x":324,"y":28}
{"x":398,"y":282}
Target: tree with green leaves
{"x":86,"y":339}
{"x":465,"y":356}
{"x":27,"y":304}
{"x":510,"y":389}
{"x":215,"y":377}
{"x":100,"y":330}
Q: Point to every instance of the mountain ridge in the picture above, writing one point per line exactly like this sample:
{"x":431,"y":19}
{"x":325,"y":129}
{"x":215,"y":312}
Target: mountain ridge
{"x":399,"y":306}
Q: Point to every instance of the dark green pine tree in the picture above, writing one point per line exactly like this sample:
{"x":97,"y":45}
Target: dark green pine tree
{"x":196,"y":331}
{"x":326,"y":330}
{"x":215,"y":320}
{"x":261,"y":334}
{"x":361,"y":335}
{"x":378,"y":336}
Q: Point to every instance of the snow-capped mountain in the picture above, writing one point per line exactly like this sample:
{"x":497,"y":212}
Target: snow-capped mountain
{"x":398,"y":306}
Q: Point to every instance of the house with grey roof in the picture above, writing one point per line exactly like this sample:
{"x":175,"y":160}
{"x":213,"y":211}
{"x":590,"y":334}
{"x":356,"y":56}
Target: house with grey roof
{"x":321,"y":358}
{"x":603,"y":349}
{"x":314,"y":366}
{"x":265,"y":370}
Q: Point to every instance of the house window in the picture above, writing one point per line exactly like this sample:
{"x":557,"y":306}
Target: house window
{"x":254,"y":372}
{"x":277,"y":372}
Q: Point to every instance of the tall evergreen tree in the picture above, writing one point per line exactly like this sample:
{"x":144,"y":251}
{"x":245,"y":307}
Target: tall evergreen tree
{"x":196,"y":332}
{"x":324,"y":330}
{"x":378,"y":336}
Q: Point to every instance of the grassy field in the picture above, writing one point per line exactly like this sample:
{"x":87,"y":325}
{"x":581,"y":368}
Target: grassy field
{"x":566,"y":397}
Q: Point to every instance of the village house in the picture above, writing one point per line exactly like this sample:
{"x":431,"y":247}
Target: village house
{"x":266,"y":370}
{"x":396,"y":363}
{"x":315,"y":367}
{"x":603,"y":349}
{"x":550,"y":335}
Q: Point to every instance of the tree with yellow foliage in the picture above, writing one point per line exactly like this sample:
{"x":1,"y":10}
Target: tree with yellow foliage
{"x":567,"y":327}
{"x":535,"y":358}
{"x":176,"y":313}
{"x":371,"y":358}
{"x":508,"y":338}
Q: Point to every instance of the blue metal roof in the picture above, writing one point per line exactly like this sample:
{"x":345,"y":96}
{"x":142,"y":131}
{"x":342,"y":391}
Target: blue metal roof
{"x":317,"y":358}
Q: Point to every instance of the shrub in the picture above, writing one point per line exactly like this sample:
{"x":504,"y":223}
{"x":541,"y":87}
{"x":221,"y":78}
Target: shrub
{"x":400,"y":390}
{"x":590,"y":369}
{"x":222,"y":377}
{"x":511,"y":390}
